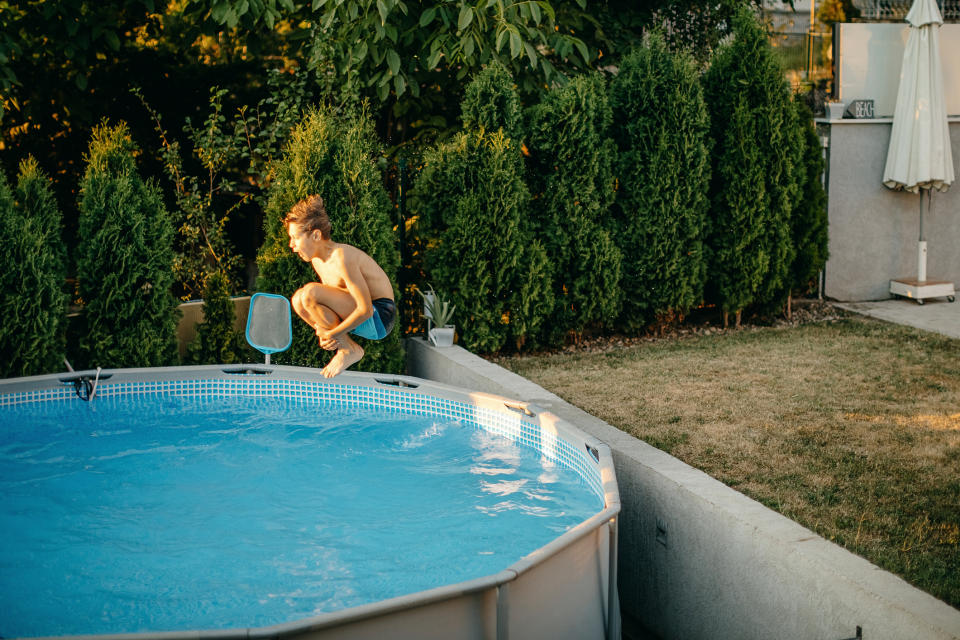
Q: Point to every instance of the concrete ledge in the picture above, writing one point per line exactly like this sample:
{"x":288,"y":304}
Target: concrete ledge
{"x":700,"y":560}
{"x":192,"y":313}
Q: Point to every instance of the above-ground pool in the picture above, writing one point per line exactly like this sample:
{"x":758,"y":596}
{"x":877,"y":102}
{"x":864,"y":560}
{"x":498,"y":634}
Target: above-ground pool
{"x":259,"y":501}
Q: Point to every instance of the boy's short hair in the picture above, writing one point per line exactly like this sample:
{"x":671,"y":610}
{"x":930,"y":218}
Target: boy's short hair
{"x":310,"y":214}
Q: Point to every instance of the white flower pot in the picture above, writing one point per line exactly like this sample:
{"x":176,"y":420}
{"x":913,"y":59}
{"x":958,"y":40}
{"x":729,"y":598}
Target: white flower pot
{"x":835,"y":110}
{"x":442,"y":336}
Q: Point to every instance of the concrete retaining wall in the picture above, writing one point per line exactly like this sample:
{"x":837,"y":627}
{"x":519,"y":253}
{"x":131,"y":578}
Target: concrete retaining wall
{"x":699,"y":560}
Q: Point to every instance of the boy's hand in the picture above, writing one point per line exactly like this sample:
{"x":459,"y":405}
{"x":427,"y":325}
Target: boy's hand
{"x":327,"y":341}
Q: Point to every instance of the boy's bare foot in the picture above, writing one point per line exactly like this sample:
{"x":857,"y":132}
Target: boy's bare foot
{"x":346,"y":356}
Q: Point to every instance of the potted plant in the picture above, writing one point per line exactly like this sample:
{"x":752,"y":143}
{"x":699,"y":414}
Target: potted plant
{"x":438,"y":312}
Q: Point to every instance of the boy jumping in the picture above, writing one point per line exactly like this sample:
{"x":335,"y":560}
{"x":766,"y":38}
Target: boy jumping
{"x":354,"y":294}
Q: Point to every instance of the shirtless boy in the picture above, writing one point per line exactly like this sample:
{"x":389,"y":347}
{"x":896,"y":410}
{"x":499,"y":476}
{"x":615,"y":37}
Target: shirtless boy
{"x":354,"y":294}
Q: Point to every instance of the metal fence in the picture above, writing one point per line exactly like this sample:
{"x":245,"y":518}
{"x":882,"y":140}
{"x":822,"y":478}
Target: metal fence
{"x":807,"y":57}
{"x":897,"y":9}
{"x":807,"y":50}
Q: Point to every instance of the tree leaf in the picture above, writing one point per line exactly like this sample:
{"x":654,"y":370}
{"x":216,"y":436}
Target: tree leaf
{"x":515,"y":44}
{"x":466,"y":17}
{"x":434,"y":59}
{"x":218,"y":12}
{"x":393,"y":61}
{"x":535,"y":11}
{"x":361,"y":52}
{"x":329,"y":18}
{"x":427,"y":16}
{"x":531,"y":54}
{"x":582,"y":48}
{"x":548,"y":9}
{"x":500,"y":37}
{"x":384,"y":12}
{"x":399,"y":85}
{"x":112,"y":40}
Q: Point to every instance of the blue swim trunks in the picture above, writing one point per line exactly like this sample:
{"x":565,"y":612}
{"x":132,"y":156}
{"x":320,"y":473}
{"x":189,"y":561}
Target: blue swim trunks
{"x":380,"y":324}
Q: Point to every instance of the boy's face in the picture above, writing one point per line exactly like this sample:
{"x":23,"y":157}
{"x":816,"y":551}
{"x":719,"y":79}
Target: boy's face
{"x":302,"y":243}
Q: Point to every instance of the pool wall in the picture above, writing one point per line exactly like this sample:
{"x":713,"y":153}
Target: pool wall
{"x":565,"y":589}
{"x":698,"y":560}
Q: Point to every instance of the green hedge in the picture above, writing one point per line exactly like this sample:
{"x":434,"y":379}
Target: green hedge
{"x":124,"y":261}
{"x":471,"y":200}
{"x":571,"y":178}
{"x":330,"y":156}
{"x":753,"y":189}
{"x":809,"y":220}
{"x":33,"y":303}
{"x":664,"y":172}
{"x":490,"y":102}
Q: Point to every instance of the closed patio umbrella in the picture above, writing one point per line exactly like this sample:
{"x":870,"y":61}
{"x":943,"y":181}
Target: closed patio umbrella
{"x":919,"y":157}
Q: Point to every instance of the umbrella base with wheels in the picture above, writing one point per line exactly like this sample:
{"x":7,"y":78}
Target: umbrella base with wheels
{"x":921,"y":290}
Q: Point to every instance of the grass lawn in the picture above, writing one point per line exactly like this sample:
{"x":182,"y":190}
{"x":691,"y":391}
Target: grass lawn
{"x":850,"y":427}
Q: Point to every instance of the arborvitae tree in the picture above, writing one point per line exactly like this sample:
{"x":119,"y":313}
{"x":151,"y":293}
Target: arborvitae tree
{"x":471,"y":198}
{"x":746,"y":90}
{"x":571,"y":179}
{"x":333,"y":157}
{"x":32,"y":270}
{"x":737,"y":259}
{"x":490,"y":102}
{"x":664,"y":172}
{"x":784,"y":192}
{"x":124,"y":260}
{"x":217,"y":342}
{"x":809,"y":220}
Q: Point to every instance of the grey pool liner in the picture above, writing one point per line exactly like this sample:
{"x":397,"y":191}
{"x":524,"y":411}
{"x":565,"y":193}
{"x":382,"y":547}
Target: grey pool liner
{"x":565,"y":589}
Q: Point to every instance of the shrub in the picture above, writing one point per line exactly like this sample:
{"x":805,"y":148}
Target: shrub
{"x":490,"y":102}
{"x":124,"y":260}
{"x":32,"y":270}
{"x":471,"y":200}
{"x":330,"y":156}
{"x":664,"y":174}
{"x":737,"y":259}
{"x":217,"y":342}
{"x":571,"y":178}
{"x":751,"y":121}
{"x":809,"y":220}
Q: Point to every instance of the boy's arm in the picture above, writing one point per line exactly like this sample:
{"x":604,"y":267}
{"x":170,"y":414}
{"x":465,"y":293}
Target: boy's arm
{"x":358,"y":290}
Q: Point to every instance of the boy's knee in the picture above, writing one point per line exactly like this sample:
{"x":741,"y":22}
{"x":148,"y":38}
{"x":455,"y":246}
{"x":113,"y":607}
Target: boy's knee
{"x":302,"y":295}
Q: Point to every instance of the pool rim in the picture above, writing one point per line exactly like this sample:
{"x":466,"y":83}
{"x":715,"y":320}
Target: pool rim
{"x":600,"y":457}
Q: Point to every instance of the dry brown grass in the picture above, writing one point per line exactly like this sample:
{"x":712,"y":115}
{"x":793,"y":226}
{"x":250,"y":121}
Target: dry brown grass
{"x":851,"y":427}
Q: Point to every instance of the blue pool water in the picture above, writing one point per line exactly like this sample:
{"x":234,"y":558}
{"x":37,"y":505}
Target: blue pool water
{"x":153,"y":513}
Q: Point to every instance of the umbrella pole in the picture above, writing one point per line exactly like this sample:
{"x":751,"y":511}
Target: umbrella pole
{"x":922,"y":243}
